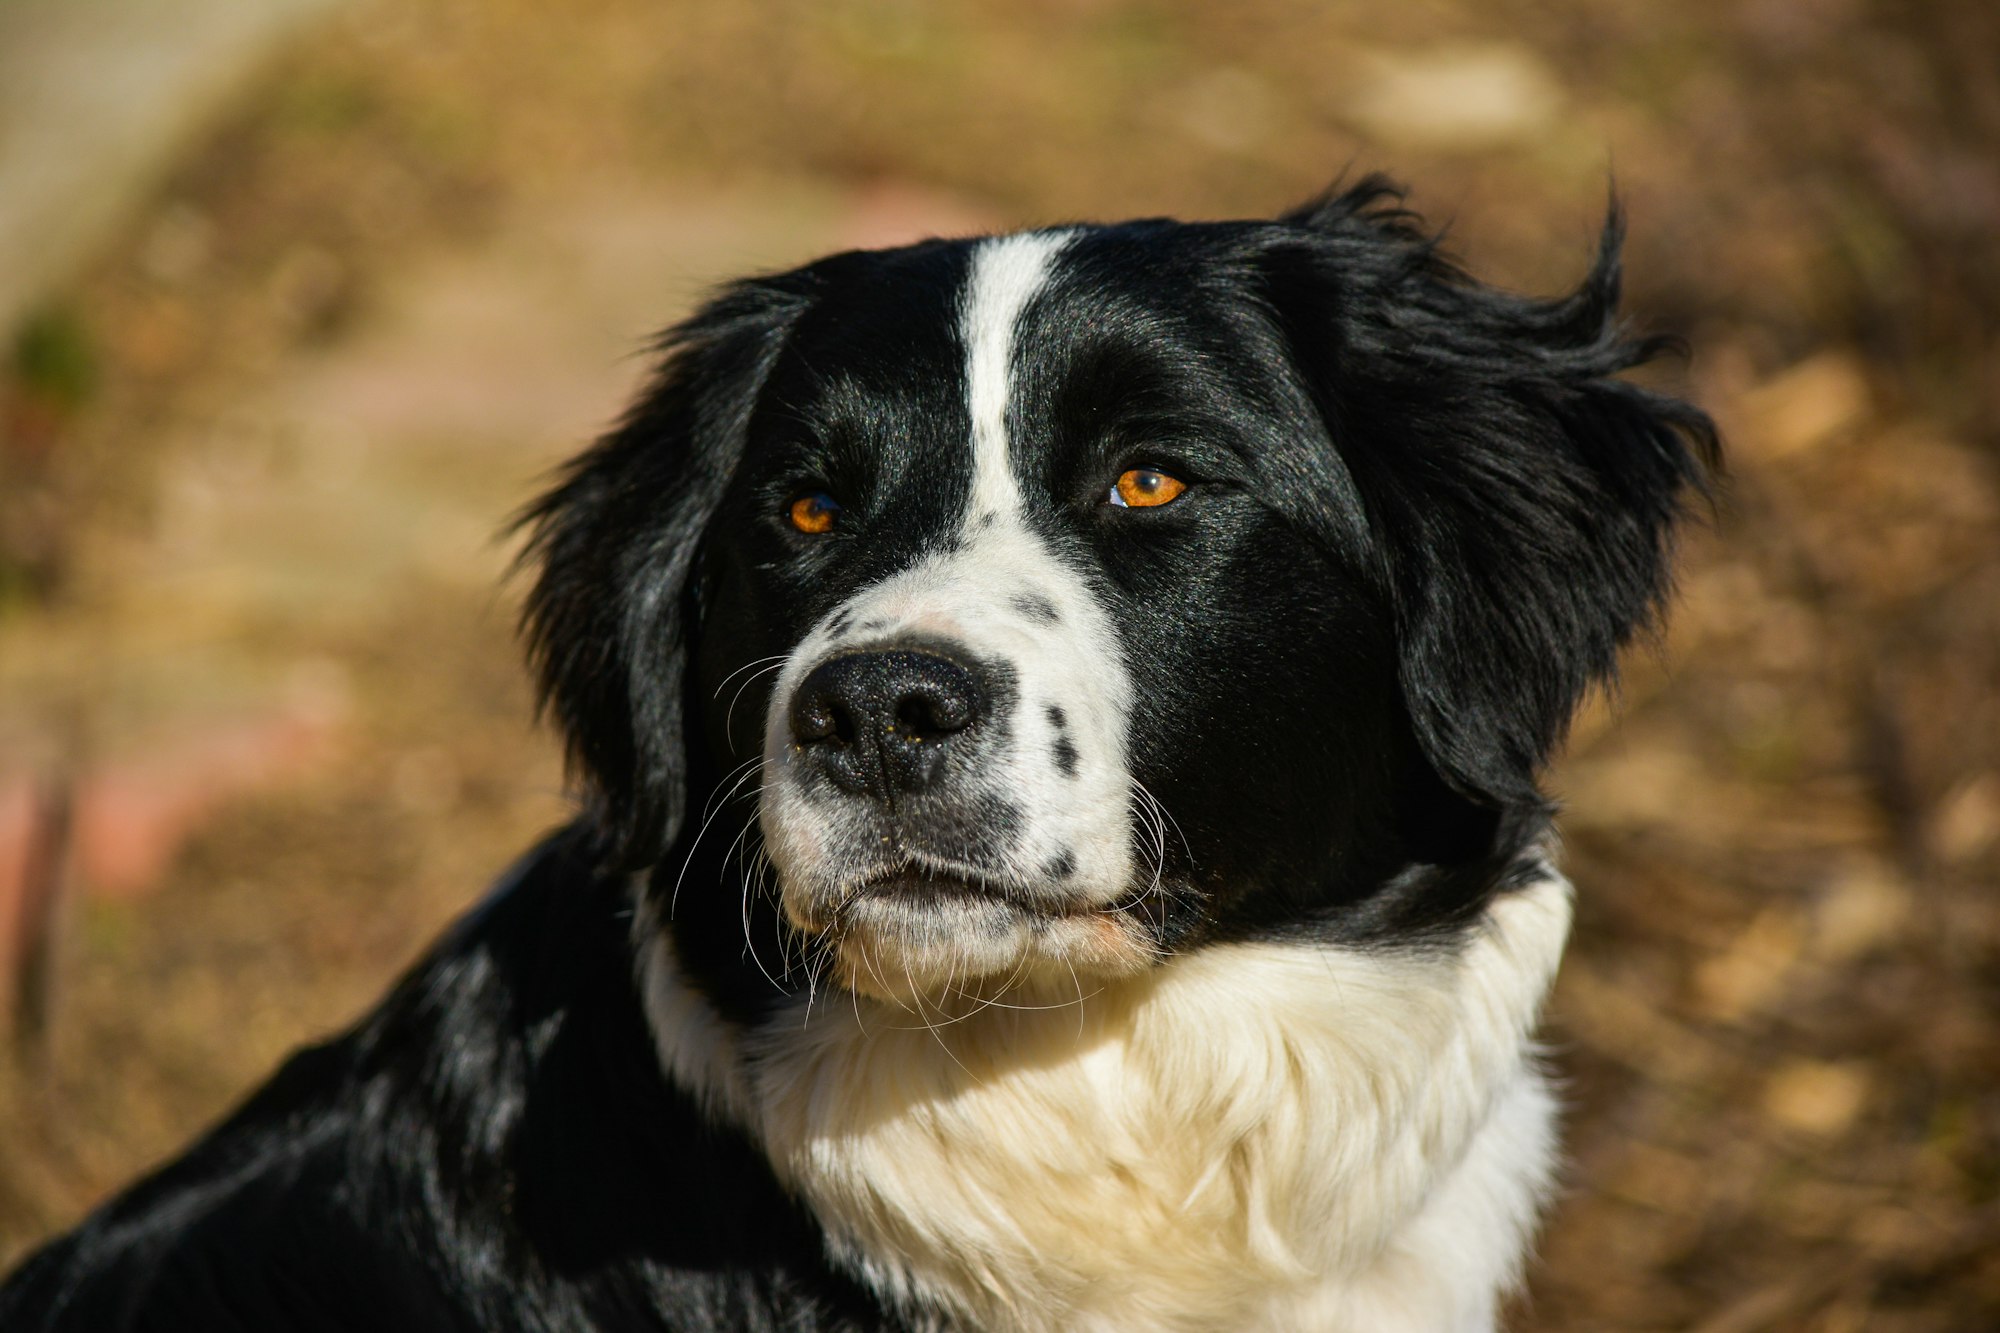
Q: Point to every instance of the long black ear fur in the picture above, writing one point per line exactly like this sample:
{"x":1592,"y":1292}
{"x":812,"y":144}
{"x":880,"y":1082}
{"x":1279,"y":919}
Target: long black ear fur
{"x":616,"y":543}
{"x":1523,"y":498}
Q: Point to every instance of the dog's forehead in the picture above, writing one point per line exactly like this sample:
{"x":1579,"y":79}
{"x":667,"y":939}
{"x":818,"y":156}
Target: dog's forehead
{"x":871,"y":310}
{"x":904,"y":348}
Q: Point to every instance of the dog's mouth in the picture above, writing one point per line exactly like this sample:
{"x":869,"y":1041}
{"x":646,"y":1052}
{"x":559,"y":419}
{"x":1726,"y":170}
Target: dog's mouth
{"x":927,"y":932}
{"x":932,"y":897}
{"x":930,"y":886}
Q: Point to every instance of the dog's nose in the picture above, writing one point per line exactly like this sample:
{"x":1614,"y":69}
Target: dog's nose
{"x":882,"y":723}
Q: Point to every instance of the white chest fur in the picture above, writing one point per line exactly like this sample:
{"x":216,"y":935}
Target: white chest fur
{"x":1274,"y":1136}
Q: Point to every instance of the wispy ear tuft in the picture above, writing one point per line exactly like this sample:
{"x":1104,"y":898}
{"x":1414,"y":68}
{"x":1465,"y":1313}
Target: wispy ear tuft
{"x":615,"y":544}
{"x":1374,"y":203}
{"x":1522,"y":497}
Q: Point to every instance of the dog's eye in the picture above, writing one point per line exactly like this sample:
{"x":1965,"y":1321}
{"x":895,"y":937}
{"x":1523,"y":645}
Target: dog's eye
{"x":814,"y":512}
{"x":1144,"y":488}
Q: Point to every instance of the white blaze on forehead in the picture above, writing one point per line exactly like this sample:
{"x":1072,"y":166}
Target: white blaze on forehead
{"x":1006,"y":275}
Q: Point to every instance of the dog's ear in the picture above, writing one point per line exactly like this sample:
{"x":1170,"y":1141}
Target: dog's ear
{"x":1521,"y":497}
{"x":615,"y":544}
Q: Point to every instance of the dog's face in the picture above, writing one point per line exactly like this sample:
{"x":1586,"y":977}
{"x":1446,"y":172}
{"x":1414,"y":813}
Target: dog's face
{"x":1067,"y":599}
{"x":1014,"y":524}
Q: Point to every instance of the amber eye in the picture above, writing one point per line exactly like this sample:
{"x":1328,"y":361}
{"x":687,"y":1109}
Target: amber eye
{"x":1145,"y":488}
{"x":814,"y":512}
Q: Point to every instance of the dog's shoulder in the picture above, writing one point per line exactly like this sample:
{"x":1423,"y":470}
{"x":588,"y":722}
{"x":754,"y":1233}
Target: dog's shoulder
{"x":493,"y":1147}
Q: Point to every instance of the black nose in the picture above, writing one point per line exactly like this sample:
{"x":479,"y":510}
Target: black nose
{"x":883,"y":723}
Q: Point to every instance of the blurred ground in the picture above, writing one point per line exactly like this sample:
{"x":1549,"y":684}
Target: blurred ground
{"x":252,"y":625}
{"x":96,"y":96}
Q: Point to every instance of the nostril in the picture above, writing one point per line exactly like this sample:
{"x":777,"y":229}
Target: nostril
{"x":820,"y":717}
{"x":815,"y":720}
{"x":934,"y":713}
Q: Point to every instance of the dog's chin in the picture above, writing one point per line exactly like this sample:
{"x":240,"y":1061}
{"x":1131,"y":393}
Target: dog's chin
{"x":942,"y":940}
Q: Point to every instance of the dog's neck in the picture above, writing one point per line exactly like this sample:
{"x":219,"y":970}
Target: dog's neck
{"x":1258,"y":1135}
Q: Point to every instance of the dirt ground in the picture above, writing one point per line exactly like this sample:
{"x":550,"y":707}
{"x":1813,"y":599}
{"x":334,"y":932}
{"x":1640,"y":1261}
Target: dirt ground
{"x":253,"y":616}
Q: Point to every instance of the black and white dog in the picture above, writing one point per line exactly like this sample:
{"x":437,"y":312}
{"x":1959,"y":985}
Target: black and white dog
{"x":1062,"y":713}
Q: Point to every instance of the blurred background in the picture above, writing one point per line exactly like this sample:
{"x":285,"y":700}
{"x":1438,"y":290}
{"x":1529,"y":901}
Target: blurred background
{"x":299,"y":299}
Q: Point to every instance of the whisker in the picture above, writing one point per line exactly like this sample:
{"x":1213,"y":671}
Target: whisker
{"x":1169,"y":817}
{"x":754,"y":662}
{"x":980,"y":1003}
{"x":854,"y":998}
{"x":1156,"y":817}
{"x":764,"y":875}
{"x":997,"y":1003}
{"x":875,"y":970}
{"x":749,"y":768}
{"x":721,"y":791}
{"x":930,"y":1027}
{"x":818,"y":963}
{"x":729,"y":717}
{"x":749,"y":945}
{"x":1077,"y":982}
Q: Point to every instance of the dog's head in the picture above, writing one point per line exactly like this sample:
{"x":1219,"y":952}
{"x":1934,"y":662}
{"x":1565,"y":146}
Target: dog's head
{"x":1065,"y":599}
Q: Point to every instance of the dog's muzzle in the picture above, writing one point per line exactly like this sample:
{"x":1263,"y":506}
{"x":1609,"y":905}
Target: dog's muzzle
{"x":924,"y":826}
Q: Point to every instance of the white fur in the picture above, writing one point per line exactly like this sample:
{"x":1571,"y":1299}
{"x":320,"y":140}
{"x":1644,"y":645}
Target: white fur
{"x":970,"y":595}
{"x":1280,"y":1136}
{"x":1006,"y":274}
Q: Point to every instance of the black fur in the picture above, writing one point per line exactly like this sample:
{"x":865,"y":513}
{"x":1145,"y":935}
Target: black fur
{"x":1427,"y":515}
{"x":493,"y":1148}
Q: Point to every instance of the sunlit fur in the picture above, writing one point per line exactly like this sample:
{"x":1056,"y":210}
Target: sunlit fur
{"x":1252,"y":1136}
{"x":993,"y":907}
